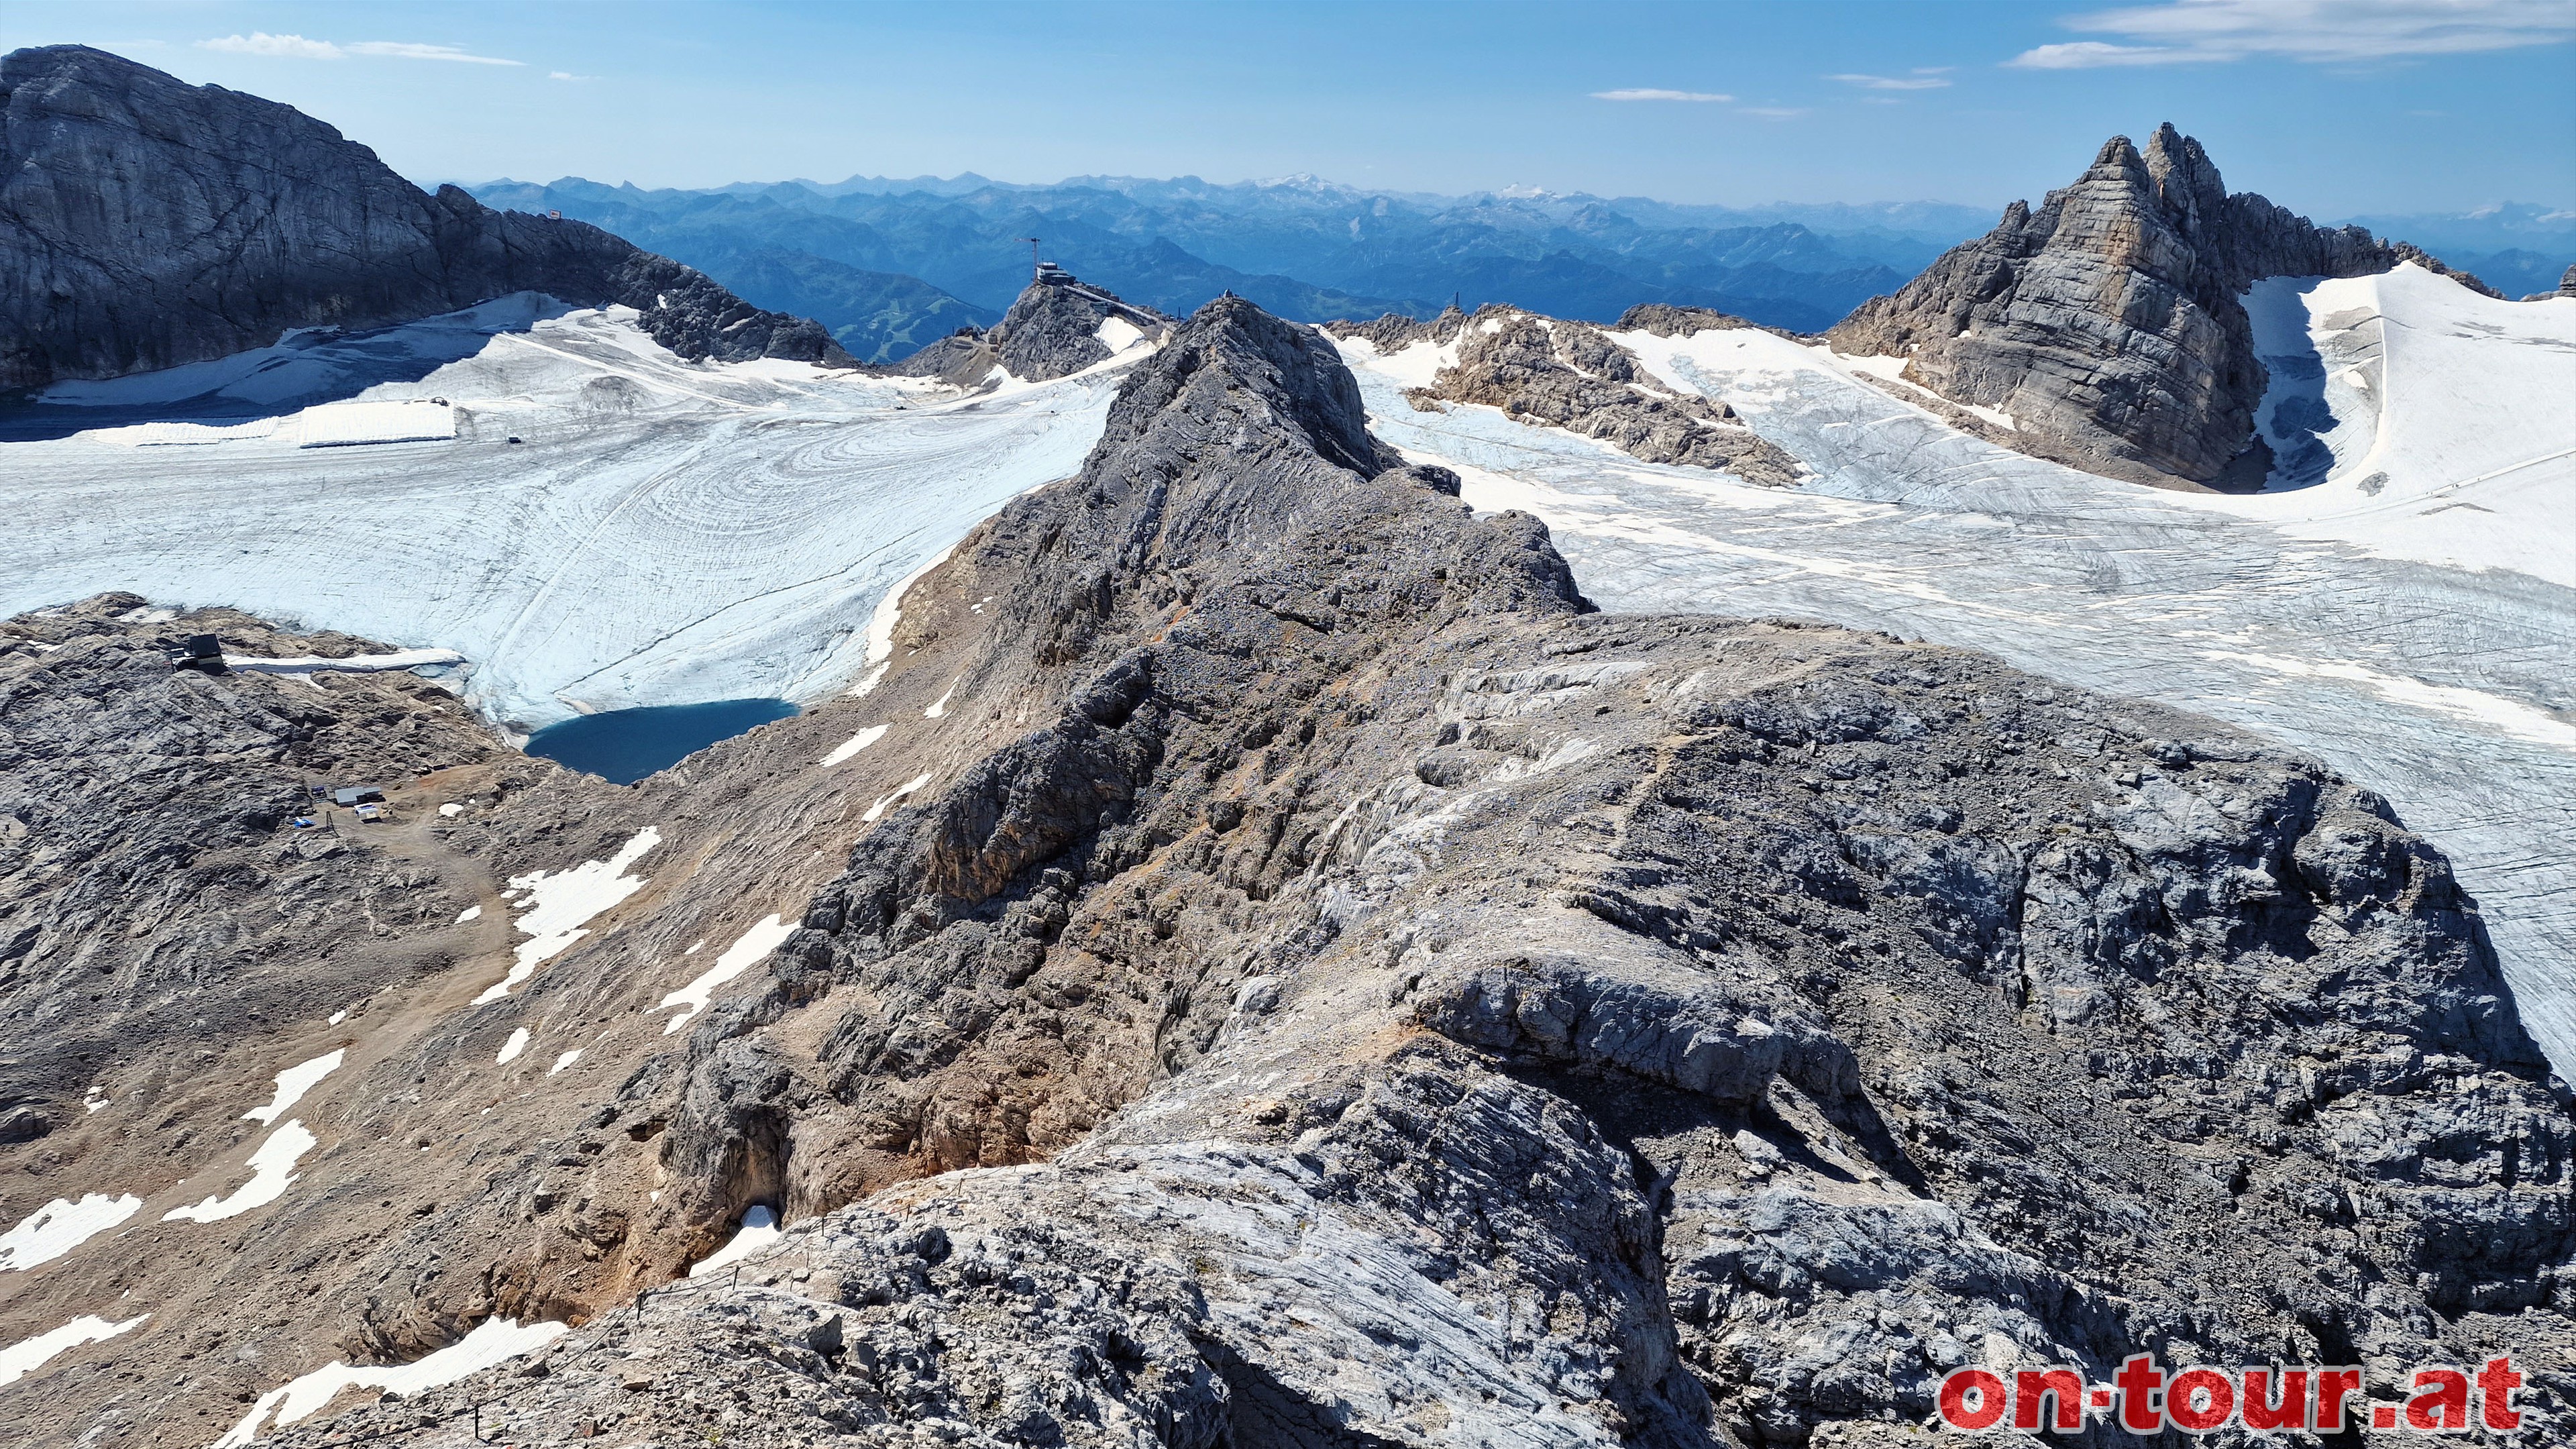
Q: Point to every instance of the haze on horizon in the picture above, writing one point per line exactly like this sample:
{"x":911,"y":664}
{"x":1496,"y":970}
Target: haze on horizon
{"x":2333,"y":107}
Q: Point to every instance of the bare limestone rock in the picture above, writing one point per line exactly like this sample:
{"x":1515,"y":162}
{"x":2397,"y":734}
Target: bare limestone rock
{"x":2107,"y":320}
{"x":1394,"y":331}
{"x":1665,"y":320}
{"x":194,"y":896}
{"x":146,"y":223}
{"x":1530,"y":1026}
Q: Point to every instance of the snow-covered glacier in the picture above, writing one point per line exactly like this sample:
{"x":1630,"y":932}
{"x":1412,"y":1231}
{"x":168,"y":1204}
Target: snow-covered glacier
{"x":2409,"y":616}
{"x":590,"y":521}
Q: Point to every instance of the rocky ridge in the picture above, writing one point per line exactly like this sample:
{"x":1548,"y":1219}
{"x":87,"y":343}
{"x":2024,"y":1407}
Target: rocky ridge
{"x":1664,"y":320}
{"x":1458,"y":1017}
{"x":2106,"y":322}
{"x":1571,"y":375}
{"x":146,"y":223}
{"x":1293,"y":974}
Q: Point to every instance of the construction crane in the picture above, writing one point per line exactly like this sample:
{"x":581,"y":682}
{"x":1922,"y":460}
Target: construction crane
{"x":1033,"y":254}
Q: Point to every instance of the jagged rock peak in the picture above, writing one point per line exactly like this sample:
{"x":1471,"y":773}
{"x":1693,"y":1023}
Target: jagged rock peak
{"x":146,"y":223}
{"x":2106,"y":321}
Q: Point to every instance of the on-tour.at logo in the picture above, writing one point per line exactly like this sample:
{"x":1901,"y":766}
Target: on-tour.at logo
{"x":2143,"y":1399}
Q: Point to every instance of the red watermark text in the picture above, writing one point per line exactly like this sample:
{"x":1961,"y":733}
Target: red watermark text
{"x":2144,"y":1399}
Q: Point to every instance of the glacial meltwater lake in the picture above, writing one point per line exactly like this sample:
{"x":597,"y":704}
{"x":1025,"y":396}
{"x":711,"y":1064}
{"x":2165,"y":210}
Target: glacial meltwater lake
{"x":625,"y":745}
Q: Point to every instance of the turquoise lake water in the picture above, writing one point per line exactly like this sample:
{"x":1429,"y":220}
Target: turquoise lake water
{"x":625,"y":745}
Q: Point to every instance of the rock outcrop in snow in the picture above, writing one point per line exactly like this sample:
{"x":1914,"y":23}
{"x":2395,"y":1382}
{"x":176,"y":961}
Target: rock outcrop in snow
{"x":146,"y":223}
{"x":1569,"y":375}
{"x":2107,"y":322}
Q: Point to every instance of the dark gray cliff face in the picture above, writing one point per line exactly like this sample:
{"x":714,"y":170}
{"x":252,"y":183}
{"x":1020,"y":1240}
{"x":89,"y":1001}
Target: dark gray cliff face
{"x":2108,"y":319}
{"x":146,"y":223}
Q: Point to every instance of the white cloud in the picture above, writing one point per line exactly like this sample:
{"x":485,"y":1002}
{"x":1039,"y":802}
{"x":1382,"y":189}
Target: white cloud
{"x":566,"y":75}
{"x":296,"y":47}
{"x":260,"y":42}
{"x":1920,"y":81}
{"x":2088,"y":54}
{"x":2201,"y":32}
{"x":1653,"y":95}
{"x":409,"y":51}
{"x":1776,"y":113}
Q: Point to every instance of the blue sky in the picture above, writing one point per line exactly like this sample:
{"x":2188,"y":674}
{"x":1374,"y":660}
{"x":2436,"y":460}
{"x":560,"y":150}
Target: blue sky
{"x":2334,"y":107}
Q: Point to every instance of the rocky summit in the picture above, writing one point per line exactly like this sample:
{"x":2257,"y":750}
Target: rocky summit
{"x":2107,"y":323}
{"x":146,"y":223}
{"x":1301,"y":976}
{"x":1053,"y":330}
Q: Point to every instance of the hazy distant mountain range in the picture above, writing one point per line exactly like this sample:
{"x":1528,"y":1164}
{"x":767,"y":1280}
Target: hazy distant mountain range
{"x":2516,"y":247}
{"x":890,"y":264}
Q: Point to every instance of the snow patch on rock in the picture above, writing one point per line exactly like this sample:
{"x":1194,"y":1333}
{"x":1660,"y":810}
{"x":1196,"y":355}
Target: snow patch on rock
{"x":293,"y":1083}
{"x":272,"y":1173}
{"x":351,"y":664}
{"x":60,"y":1226}
{"x":27,"y":1355}
{"x":878,"y":810}
{"x":737,"y":958}
{"x":559,"y":905}
{"x":493,"y":1341}
{"x":759,"y":1229}
{"x":855,"y":743}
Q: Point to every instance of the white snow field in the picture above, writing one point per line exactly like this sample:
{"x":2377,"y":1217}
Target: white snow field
{"x":2421,"y":637}
{"x":661,"y":532}
{"x":759,"y":1229}
{"x":28,"y":1355}
{"x":2444,"y":423}
{"x":763,"y":938}
{"x":494,"y":1340}
{"x":272,"y":1168}
{"x":62,"y":1225}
